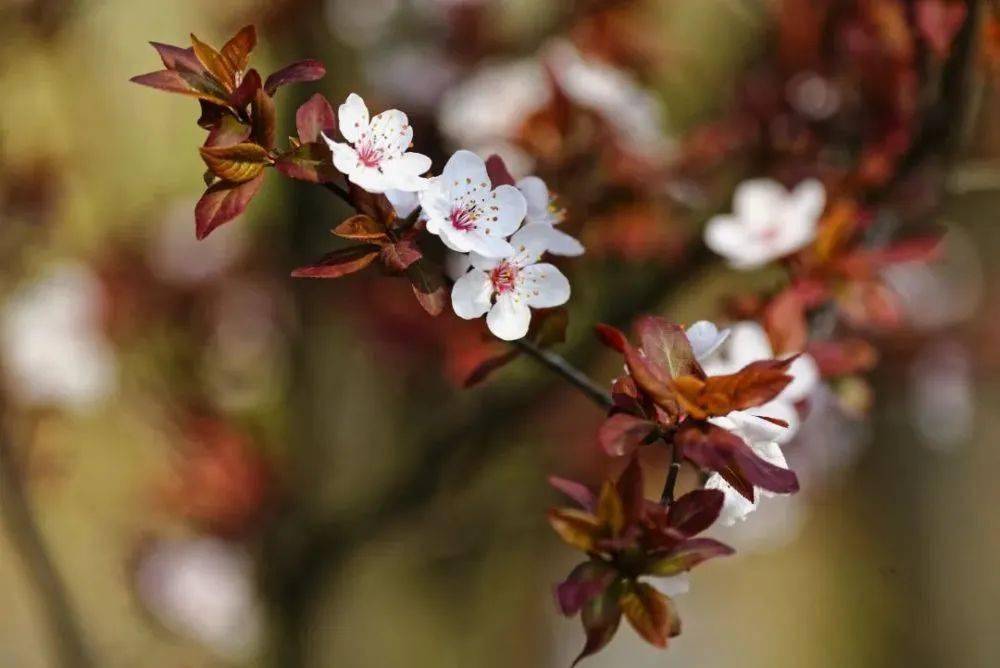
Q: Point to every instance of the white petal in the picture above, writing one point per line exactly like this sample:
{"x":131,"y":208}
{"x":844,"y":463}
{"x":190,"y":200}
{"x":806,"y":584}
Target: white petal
{"x":404,"y":202}
{"x":345,"y":158}
{"x":563,"y":244}
{"x":456,"y":265}
{"x":436,"y":203}
{"x":748,"y":343}
{"x":483,"y":263}
{"x":470,"y":296}
{"x":391,"y":133}
{"x":509,"y":318}
{"x":705,"y":338}
{"x":465,"y":174}
{"x":805,"y":378}
{"x":529,"y":244}
{"x":672,"y":586}
{"x":405,"y":171}
{"x":752,"y":427}
{"x":370,"y":179}
{"x":536,"y":195}
{"x":509,"y":212}
{"x":730,"y":238}
{"x":487,"y":245}
{"x":735,"y":506}
{"x":771,"y":453}
{"x":353,"y":118}
{"x":759,"y":202}
{"x":543,"y":286}
{"x":457,"y":240}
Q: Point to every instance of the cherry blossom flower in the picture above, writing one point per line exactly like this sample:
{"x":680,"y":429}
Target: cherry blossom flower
{"x":767,"y":222}
{"x":468,"y":215}
{"x":543,"y":211}
{"x":748,"y":343}
{"x":507,"y":289}
{"x":376,"y":156}
{"x":735,"y":506}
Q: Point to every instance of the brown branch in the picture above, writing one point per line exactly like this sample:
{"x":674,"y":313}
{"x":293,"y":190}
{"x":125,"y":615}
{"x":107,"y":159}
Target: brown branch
{"x":24,"y":533}
{"x":567,"y":371}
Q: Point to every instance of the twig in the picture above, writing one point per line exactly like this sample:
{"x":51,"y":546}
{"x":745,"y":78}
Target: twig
{"x":339,"y":191}
{"x":64,"y":628}
{"x":667,"y":497}
{"x":570,"y":373}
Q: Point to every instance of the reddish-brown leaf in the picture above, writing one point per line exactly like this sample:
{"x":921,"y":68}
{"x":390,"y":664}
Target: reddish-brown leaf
{"x":753,"y":385}
{"x":302,"y":71}
{"x":399,"y":255}
{"x":237,"y":50}
{"x":687,"y":555}
{"x":646,"y":610}
{"x":612,"y":337}
{"x":695,"y":511}
{"x":667,"y":348}
{"x":630,"y":490}
{"x":219,"y":67}
{"x":601,"y":616}
{"x":610,"y":511}
{"x":308,"y":162}
{"x":497,"y":170}
{"x":313,"y":118}
{"x":246,"y":91}
{"x":577,"y":528}
{"x":716,"y":449}
{"x":621,"y":433}
{"x":264,"y":118}
{"x":228,"y":131}
{"x":586,"y":581}
{"x":223,"y":202}
{"x":340,"y":262}
{"x":184,"y":83}
{"x":576,"y":491}
{"x":362,"y":228}
{"x":428,"y":286}
{"x":177,"y":58}
{"x":237,"y":163}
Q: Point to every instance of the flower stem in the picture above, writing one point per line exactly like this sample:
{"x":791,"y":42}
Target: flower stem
{"x":570,"y":373}
{"x":339,"y":191}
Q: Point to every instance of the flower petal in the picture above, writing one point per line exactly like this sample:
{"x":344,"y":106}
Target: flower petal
{"x":391,"y":133}
{"x":536,"y":195}
{"x":543,"y":286}
{"x":487,"y":245}
{"x":403,"y":201}
{"x":529,"y":244}
{"x":509,"y":318}
{"x":509,"y":212}
{"x":759,"y":202}
{"x":563,"y":244}
{"x":808,"y":199}
{"x":470,"y":296}
{"x":705,"y":338}
{"x":805,"y":377}
{"x":405,"y":171}
{"x":464,"y":175}
{"x":673,"y":585}
{"x":735,"y":506}
{"x":456,"y":265}
{"x":345,"y":158}
{"x":353,"y":117}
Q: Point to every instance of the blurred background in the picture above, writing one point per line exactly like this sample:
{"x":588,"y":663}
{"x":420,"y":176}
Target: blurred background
{"x":206,"y":463}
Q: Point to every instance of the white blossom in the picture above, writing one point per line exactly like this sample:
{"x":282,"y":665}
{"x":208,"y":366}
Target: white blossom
{"x":54,"y":351}
{"x":768,"y":222}
{"x":672,"y":585}
{"x":543,"y":211}
{"x":507,"y":289}
{"x":705,"y":338}
{"x":467,"y":213}
{"x":376,"y":155}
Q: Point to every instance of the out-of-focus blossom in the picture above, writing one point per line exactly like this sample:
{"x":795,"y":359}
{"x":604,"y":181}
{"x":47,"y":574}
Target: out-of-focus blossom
{"x":467,"y":213}
{"x":542,"y":210}
{"x":507,"y":289}
{"x":672,"y":585}
{"x":54,"y":351}
{"x":942,"y":395}
{"x":748,"y":343}
{"x":360,"y":23}
{"x":178,"y":258}
{"x":631,"y":110}
{"x":376,"y":156}
{"x":813,"y":96}
{"x":490,"y":105}
{"x":768,"y":222}
{"x":202,"y":588}
{"x":705,"y":339}
{"x":413,"y":76}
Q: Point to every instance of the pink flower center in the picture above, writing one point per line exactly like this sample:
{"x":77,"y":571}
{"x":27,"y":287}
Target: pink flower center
{"x":504,"y":277}
{"x":463,"y":219}
{"x":368,"y":154}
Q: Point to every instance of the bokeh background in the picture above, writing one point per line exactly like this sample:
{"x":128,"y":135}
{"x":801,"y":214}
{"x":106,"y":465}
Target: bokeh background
{"x":228,"y":467}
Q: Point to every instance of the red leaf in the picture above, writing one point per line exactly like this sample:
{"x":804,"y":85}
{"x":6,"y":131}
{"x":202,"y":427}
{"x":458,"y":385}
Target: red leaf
{"x":667,"y":348}
{"x":939,"y":21}
{"x":695,"y":511}
{"x":612,"y":337}
{"x":631,"y":492}
{"x":237,"y":163}
{"x":218,"y":66}
{"x":785,"y":321}
{"x":488,"y":366}
{"x":264,"y":117}
{"x":176,"y":58}
{"x":340,"y":262}
{"x":621,"y":433}
{"x":400,"y":255}
{"x":223,"y":202}
{"x":576,"y":491}
{"x":647,"y":611}
{"x":228,"y":131}
{"x":192,"y":85}
{"x":308,"y":162}
{"x":428,"y":286}
{"x":245,"y":93}
{"x":601,"y":616}
{"x":584,"y":582}
{"x":687,"y":555}
{"x":313,"y":118}
{"x":716,"y":449}
{"x":302,"y":71}
{"x":497,"y":170}
{"x":237,"y":50}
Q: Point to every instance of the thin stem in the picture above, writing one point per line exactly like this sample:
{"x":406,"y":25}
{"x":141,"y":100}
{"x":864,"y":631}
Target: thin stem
{"x":570,"y":373}
{"x":339,"y":191}
{"x":675,"y":466}
{"x":24,"y":533}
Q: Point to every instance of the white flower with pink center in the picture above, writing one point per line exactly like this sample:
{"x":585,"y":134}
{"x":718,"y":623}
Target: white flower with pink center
{"x":507,"y":289}
{"x":768,"y":222}
{"x":543,"y":210}
{"x":376,"y":157}
{"x":467,"y":213}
